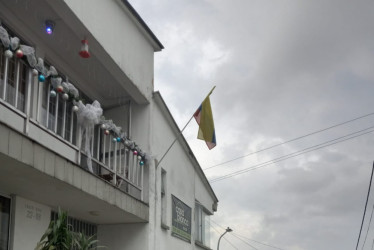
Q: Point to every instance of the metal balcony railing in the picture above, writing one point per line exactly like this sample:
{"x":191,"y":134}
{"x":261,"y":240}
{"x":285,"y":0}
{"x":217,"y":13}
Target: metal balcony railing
{"x":24,"y":95}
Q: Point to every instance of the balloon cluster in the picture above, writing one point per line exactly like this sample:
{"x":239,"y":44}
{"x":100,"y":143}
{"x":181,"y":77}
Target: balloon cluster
{"x":109,"y":128}
{"x":67,"y":90}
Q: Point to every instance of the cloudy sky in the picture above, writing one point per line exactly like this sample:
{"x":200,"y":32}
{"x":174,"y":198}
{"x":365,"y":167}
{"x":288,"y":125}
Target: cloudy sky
{"x":283,"y":69}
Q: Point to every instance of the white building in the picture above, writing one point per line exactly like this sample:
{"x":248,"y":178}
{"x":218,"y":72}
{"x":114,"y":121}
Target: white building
{"x":110,"y":182}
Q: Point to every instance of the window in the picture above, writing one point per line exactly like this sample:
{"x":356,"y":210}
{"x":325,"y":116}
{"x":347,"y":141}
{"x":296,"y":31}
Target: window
{"x":202,"y":222}
{"x":4,"y":222}
{"x":163,"y":200}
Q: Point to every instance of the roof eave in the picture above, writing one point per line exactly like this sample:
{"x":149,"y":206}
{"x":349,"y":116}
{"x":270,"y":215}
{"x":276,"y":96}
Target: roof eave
{"x":143,"y":25}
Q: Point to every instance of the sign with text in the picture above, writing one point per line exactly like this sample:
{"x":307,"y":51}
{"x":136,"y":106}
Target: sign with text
{"x":181,"y":219}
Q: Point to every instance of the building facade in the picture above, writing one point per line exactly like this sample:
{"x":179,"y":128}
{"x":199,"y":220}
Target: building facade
{"x":86,"y":134}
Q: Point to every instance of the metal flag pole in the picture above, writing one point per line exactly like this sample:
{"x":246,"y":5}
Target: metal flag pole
{"x":181,"y":132}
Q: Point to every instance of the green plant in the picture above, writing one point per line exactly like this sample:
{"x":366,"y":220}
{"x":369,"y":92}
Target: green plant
{"x":83,"y":242}
{"x":58,"y":236}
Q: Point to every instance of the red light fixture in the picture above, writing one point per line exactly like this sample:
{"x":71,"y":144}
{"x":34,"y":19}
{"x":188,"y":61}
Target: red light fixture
{"x":84,"y":49}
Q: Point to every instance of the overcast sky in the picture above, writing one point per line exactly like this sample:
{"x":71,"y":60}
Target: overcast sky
{"x":283,"y":69}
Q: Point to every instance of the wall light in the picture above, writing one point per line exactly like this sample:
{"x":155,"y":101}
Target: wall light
{"x":49,"y":27}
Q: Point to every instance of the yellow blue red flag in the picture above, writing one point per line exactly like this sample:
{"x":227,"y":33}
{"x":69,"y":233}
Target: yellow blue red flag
{"x":204,"y":117}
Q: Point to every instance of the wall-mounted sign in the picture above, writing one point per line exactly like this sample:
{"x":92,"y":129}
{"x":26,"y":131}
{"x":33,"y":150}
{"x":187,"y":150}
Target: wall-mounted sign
{"x":181,"y":219}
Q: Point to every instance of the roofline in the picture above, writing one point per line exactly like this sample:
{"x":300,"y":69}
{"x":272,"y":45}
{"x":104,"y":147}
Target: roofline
{"x":142,"y":23}
{"x":202,"y":174}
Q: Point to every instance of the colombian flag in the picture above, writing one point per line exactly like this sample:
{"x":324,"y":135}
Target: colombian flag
{"x":204,"y":118}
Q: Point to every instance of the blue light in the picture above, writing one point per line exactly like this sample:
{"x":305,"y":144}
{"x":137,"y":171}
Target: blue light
{"x":49,"y":30}
{"x":49,"y":25}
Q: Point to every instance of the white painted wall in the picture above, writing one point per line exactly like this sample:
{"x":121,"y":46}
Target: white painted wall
{"x":183,"y":180}
{"x":203,"y":195}
{"x":125,"y":236}
{"x":119,"y":115}
{"x":121,"y":38}
{"x":31,"y":219}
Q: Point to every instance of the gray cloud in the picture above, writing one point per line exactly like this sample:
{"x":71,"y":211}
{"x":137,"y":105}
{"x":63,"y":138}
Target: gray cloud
{"x":282,"y":69}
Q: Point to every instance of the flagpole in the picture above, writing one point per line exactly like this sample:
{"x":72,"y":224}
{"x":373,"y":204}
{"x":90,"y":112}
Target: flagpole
{"x":181,"y":132}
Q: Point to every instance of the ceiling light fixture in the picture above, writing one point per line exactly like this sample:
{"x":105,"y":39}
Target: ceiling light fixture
{"x":49,"y":27}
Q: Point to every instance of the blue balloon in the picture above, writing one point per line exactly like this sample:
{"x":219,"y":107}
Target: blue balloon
{"x":41,"y":78}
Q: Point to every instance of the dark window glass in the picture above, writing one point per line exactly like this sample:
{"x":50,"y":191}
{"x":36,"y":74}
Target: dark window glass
{"x":4,"y":222}
{"x":2,"y":62}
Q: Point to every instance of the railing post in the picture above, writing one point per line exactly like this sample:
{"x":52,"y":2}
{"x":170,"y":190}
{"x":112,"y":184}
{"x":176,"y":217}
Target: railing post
{"x":17,"y":84}
{"x":124,"y":162}
{"x":141,"y":182}
{"x":134,"y":163}
{"x":98,"y":144}
{"x":92,"y":136}
{"x":110,"y":151}
{"x":130,"y":165}
{"x":115,"y":165}
{"x":5,"y":77}
{"x":71,"y":127}
{"x":119,"y":167}
{"x":79,"y":144}
{"x":28,"y":100}
{"x":48,"y":99}
{"x":63,"y":120}
{"x":137,"y":171}
{"x":39,"y":102}
{"x":56,"y":112}
{"x":104,"y":146}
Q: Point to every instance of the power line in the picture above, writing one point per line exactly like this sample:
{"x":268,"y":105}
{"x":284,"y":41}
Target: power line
{"x":367,"y":198}
{"x":291,"y":155}
{"x":248,"y":238}
{"x":223,"y":237}
{"x":231,"y":233}
{"x":294,"y":139}
{"x":244,"y":242}
{"x":238,"y":235}
{"x":367,"y":231}
{"x":294,"y":154}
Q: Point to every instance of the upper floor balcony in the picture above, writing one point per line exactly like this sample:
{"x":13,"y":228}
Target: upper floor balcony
{"x":48,"y":127}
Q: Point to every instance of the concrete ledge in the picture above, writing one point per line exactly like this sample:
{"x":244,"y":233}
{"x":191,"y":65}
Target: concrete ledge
{"x":32,"y":171}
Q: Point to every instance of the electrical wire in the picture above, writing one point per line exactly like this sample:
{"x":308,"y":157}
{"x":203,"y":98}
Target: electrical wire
{"x":367,"y":198}
{"x":248,"y":238}
{"x":238,"y":235}
{"x":296,"y":153}
{"x":288,"y":141}
{"x":367,"y":231}
{"x":227,"y":239}
{"x":223,"y":237}
{"x":285,"y":157}
{"x":244,"y":241}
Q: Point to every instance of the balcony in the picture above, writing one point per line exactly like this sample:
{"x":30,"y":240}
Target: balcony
{"x":40,"y":115}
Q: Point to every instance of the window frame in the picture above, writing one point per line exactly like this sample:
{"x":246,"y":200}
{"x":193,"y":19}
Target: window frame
{"x":202,"y":226}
